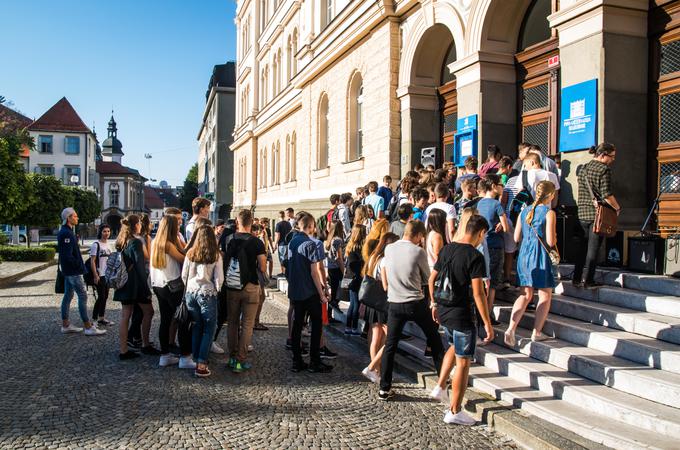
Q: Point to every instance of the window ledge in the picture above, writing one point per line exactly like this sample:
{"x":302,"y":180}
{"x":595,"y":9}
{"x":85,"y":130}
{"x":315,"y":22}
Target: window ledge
{"x":351,"y":166}
{"x":262,"y":189}
{"x":290,"y":184}
{"x":275,"y":187}
{"x":321,"y":173}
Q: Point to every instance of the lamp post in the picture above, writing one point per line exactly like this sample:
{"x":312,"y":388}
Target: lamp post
{"x":148,"y":158}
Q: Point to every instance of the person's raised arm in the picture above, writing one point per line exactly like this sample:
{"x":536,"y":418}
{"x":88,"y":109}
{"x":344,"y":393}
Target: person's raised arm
{"x":551,"y":228}
{"x":482,"y":307}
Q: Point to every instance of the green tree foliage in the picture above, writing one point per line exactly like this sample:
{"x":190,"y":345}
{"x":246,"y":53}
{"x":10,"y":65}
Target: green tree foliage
{"x":190,"y":189}
{"x":86,"y":203}
{"x":49,"y":199}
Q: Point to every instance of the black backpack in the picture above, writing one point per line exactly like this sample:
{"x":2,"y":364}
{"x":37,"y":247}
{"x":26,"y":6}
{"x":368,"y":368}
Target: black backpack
{"x":236,"y":271}
{"x":392,"y":212}
{"x":88,"y":276}
{"x":522,"y":199}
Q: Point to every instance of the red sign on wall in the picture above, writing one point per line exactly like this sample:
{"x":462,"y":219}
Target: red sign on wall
{"x":554,"y":61}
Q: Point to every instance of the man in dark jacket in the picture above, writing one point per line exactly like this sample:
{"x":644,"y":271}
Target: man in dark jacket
{"x":73,"y":268}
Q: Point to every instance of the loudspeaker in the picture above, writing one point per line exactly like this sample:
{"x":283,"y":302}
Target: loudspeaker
{"x":672,"y":260}
{"x":646,"y":254}
{"x":428,"y":156}
{"x":614,"y":250}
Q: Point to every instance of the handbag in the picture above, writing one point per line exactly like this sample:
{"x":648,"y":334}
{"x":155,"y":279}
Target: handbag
{"x":176,"y":285}
{"x":606,"y":219}
{"x":182,"y":315}
{"x":372,"y":294}
{"x":59,"y":287}
{"x":553,"y":253}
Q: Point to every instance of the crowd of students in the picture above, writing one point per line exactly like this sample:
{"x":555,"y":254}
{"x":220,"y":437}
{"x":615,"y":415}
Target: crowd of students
{"x":434,"y":251}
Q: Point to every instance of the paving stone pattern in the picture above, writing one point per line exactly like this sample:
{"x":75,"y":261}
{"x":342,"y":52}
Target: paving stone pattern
{"x":71,"y":391}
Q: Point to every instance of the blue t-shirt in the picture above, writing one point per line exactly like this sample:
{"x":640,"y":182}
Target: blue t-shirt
{"x":303,"y":252}
{"x":418,"y":213}
{"x":376,"y":202}
{"x":386,"y":194}
{"x":492,"y":210}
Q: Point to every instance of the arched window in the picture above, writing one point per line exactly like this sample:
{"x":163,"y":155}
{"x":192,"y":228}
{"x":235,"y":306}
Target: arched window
{"x":279,"y":71}
{"x":295,"y":50}
{"x":263,"y":87}
{"x":535,"y":27}
{"x":286,"y":173}
{"x":355,"y":117}
{"x":263,"y":15}
{"x":275,"y":70}
{"x":292,"y":159}
{"x":322,"y":155}
{"x":289,"y":58}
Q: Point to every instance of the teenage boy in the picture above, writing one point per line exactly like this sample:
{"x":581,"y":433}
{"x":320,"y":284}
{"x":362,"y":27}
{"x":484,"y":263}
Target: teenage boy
{"x":375,"y":200}
{"x":491,"y":209}
{"x":441,"y":192}
{"x":281,"y":230}
{"x":72,"y":268}
{"x":249,"y":253}
{"x":385,"y":191}
{"x":457,"y":314}
{"x":405,"y":213}
{"x":307,"y":294}
{"x":201,"y":208}
{"x":532,"y":164}
{"x":469,"y":197}
{"x":344,"y":215}
{"x":420,"y":199}
{"x":404,"y":272}
{"x":290,"y":216}
{"x":469,"y":171}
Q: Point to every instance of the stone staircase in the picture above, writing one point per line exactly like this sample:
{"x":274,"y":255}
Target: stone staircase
{"x":612,"y":372}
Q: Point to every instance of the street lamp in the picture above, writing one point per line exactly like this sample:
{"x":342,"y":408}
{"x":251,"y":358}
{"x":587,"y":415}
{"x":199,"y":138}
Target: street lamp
{"x":148,"y":158}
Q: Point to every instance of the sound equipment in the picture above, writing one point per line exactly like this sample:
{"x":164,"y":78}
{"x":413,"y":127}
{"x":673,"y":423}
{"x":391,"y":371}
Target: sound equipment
{"x":565,"y":235}
{"x":646,"y":254}
{"x":614,"y":250}
{"x":428,"y":156}
{"x":672,"y":260}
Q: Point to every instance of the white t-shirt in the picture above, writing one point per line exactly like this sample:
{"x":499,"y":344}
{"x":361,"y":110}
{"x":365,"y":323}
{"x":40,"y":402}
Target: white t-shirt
{"x":104,"y":252}
{"x":171,"y":271}
{"x":535,"y":176}
{"x":450,"y":210}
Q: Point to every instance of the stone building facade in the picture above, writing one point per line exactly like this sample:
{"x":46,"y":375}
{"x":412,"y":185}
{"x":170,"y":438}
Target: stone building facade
{"x":335,"y":93}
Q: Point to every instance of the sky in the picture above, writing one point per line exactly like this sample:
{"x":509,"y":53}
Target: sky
{"x":149,"y":60}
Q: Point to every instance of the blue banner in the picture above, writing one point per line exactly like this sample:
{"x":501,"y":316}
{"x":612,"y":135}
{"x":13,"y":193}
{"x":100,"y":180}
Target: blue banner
{"x":578,"y":116}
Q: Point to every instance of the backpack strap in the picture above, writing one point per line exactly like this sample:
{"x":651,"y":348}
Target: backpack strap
{"x":525,"y":180}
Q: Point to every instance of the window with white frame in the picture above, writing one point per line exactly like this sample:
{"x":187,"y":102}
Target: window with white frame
{"x":114,"y":192}
{"x":292,"y":160}
{"x":45,"y":170}
{"x":327,"y":9}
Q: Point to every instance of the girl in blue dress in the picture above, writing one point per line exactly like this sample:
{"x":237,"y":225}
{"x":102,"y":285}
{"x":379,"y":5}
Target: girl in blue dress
{"x":534,"y":269}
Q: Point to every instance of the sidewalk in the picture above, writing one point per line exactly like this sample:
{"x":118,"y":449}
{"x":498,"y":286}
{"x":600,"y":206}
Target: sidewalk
{"x":12,"y":271}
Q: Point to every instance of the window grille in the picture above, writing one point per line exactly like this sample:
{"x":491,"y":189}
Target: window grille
{"x":670,"y":58}
{"x":537,"y":97}
{"x":669,"y":126}
{"x":536,"y":134}
{"x":450,"y":122}
{"x":669,"y":178}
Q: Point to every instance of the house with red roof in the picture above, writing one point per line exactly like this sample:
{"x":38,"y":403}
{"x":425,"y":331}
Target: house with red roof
{"x":65,"y":147}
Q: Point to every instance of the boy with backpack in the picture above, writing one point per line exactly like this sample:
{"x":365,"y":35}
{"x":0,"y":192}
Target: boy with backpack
{"x":244,"y":257}
{"x":456,"y":289}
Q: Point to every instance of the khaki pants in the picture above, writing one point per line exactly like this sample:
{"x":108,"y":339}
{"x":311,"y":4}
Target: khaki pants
{"x":241,"y":310}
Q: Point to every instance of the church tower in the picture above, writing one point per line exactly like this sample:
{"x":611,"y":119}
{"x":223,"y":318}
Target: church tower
{"x":112,"y":149}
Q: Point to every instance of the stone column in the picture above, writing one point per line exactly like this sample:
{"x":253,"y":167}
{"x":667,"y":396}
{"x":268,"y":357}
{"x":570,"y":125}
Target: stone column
{"x":419,"y":123}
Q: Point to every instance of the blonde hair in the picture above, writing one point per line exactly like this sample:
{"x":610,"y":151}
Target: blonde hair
{"x":360,"y":215}
{"x":167,"y":234}
{"x":462,"y":223}
{"x":356,"y":239}
{"x":204,"y":250}
{"x":544,"y":189}
{"x":127,"y":231}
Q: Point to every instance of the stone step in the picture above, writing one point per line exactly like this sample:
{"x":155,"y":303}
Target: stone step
{"x":647,"y":301}
{"x":598,"y":428}
{"x":659,"y":284}
{"x":623,"y":375}
{"x":633,"y":347}
{"x":578,"y":391}
{"x":633,"y":321}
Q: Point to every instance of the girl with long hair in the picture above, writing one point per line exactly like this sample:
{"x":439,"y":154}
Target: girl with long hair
{"x":166,"y":282}
{"x":135,"y":330}
{"x":136,"y":291}
{"x":537,"y":232}
{"x":335,"y":261}
{"x":362,"y":217}
{"x":436,"y":235}
{"x":377,"y":319}
{"x":355,"y":263}
{"x":99,"y":255}
{"x":203,"y":276}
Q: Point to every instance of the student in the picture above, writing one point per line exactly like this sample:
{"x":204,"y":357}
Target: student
{"x":469,"y":171}
{"x":244,"y":257}
{"x":491,"y":209}
{"x":355,"y":263}
{"x":469,"y":197}
{"x":344,"y":213}
{"x":281,"y":230}
{"x":99,"y":255}
{"x":493,"y":159}
{"x":136,"y":290}
{"x":166,"y":272}
{"x":361,"y":217}
{"x":532,"y":164}
{"x":385,"y":191}
{"x":420,"y":199}
{"x":404,"y":271}
{"x":72,"y":268}
{"x":290,"y":215}
{"x":441,"y":191}
{"x":536,"y":230}
{"x":178,"y":214}
{"x":202,"y":274}
{"x":335,"y":260}
{"x":374,"y":200}
{"x":201,"y":208}
{"x":436,"y":235}
{"x":457,"y":314}
{"x":307,"y":294}
{"x":135,"y":329}
{"x":405,"y":213}
{"x":505,"y":169}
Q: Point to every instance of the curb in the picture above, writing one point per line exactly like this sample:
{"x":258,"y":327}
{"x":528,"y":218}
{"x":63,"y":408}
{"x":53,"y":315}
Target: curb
{"x":7,"y":281}
{"x":526,"y":430}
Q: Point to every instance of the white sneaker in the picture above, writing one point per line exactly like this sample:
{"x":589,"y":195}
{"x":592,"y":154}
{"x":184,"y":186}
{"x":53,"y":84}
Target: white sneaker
{"x":187,"y":362}
{"x":440,"y":394}
{"x":168,"y":360}
{"x":93,"y":331}
{"x":71,"y":329}
{"x":250,"y":347}
{"x":460,"y":418}
{"x":371,"y":375}
{"x":215,"y":348}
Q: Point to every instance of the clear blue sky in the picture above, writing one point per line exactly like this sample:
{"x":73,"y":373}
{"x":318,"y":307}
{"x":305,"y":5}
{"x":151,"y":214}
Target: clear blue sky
{"x":150,"y":60}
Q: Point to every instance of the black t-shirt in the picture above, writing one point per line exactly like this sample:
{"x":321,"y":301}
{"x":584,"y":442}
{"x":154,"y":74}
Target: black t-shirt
{"x":283,"y":228}
{"x":253,"y":248}
{"x":223,"y":238}
{"x":464,"y":263}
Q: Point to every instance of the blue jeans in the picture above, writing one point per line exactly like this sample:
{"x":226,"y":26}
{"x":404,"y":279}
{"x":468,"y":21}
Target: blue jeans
{"x":74,"y":283}
{"x":203,"y":309}
{"x":353,"y":311}
{"x":464,"y":342}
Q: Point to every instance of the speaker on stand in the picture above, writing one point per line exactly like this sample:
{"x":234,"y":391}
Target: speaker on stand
{"x":566,"y":221}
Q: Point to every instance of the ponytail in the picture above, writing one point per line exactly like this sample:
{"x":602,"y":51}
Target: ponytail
{"x":604,"y":148}
{"x":544,"y":189}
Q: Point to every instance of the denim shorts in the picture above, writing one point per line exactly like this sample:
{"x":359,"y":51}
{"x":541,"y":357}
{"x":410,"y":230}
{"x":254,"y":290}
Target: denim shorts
{"x":464,"y":342}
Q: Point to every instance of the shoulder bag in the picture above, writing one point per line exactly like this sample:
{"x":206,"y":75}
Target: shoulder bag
{"x":59,"y":287}
{"x":606,"y":219}
{"x":553,"y":253}
{"x":372,"y":294}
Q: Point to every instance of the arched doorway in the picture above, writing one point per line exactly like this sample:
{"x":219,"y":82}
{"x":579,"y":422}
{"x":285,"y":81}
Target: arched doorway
{"x":113,"y":220}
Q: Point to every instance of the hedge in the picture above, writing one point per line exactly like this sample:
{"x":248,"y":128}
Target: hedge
{"x":25,"y":254}
{"x":52,"y":244}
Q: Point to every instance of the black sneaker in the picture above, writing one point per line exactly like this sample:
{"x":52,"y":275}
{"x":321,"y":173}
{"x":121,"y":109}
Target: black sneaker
{"x":531,"y":306}
{"x":384,"y":395}
{"x":319,"y":368}
{"x":128,"y":355}
{"x":299,"y":366}
{"x":577,"y":284}
{"x":289,"y":345}
{"x":151,"y":350}
{"x":135,"y":345}
{"x":327,"y":354}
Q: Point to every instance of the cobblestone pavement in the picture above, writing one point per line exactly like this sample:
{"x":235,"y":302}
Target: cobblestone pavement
{"x":59,"y":391}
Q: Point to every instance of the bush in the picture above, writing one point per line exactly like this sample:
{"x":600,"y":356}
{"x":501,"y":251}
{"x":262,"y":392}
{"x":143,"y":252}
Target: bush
{"x":3,"y":239}
{"x":50,"y":245}
{"x":25,"y":254}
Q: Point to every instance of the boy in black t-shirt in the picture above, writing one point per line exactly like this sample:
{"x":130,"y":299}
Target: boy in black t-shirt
{"x":466,"y":269}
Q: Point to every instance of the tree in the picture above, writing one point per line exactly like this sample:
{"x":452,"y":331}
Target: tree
{"x":49,"y":199}
{"x":190,"y":189}
{"x":86,"y":203}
